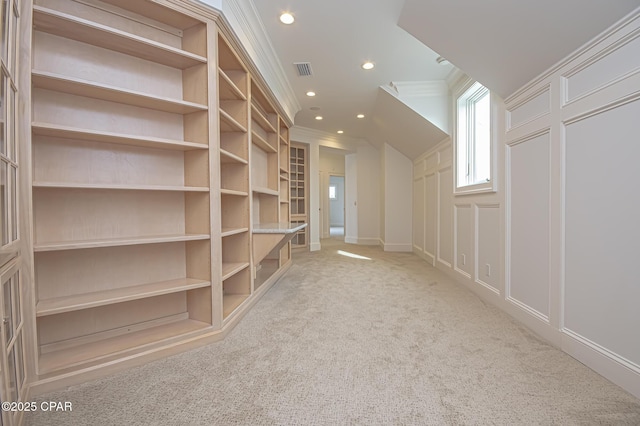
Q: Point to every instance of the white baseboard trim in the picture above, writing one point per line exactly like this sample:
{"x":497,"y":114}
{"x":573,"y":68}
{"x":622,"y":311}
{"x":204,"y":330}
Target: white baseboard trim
{"x":369,"y":241}
{"x":612,"y":366}
{"x":315,"y":247}
{"x":418,"y":251}
{"x":351,"y":240}
{"x":398,"y":247}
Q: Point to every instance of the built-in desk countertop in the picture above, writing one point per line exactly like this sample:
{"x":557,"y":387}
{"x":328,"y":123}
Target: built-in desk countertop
{"x":268,"y":237}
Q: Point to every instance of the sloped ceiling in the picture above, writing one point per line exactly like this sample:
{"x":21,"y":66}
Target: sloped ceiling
{"x":506,"y":43}
{"x":395,"y":123}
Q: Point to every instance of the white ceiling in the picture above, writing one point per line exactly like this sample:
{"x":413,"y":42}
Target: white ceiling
{"x":504,"y":44}
{"x":336,"y":37}
{"x":501,"y":43}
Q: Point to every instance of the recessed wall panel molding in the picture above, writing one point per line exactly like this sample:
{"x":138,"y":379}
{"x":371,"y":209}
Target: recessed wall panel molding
{"x":528,"y":109}
{"x":463,"y":239}
{"x":445,"y":217}
{"x":418,"y":168}
{"x":418,"y":214}
{"x":431,"y":162}
{"x":602,"y":233}
{"x":528,"y":195}
{"x":487,"y":270}
{"x":446,"y":156}
{"x":614,"y":63}
{"x":431,"y":216}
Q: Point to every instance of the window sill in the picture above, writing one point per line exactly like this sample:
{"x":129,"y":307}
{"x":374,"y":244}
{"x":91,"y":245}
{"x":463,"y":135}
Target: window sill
{"x":479,"y":188}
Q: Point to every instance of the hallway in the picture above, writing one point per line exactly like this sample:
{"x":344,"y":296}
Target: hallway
{"x":354,"y":335}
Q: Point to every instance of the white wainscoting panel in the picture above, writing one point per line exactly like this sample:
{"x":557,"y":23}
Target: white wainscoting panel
{"x":431,"y":215}
{"x":533,"y":107}
{"x":418,"y":214}
{"x":618,"y":60}
{"x":602,"y":230}
{"x":445,"y":230}
{"x":488,"y":246}
{"x":464,"y":239}
{"x":528,"y":232}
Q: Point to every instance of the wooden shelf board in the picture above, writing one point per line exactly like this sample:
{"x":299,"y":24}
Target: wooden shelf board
{"x":231,"y":302}
{"x":228,"y":157}
{"x":72,"y":185}
{"x":229,"y":124}
{"x":90,"y":89}
{"x":284,"y":178}
{"x":109,"y":297}
{"x":116,"y":242}
{"x":85,"y":31}
{"x":284,"y":202}
{"x":226,"y":232}
{"x":224,"y":191}
{"x":283,"y":141}
{"x":265,"y":191}
{"x":229,"y":91}
{"x":262,"y":121}
{"x":54,"y":130}
{"x":261,"y":143}
{"x":230,"y":269}
{"x":93,"y":352}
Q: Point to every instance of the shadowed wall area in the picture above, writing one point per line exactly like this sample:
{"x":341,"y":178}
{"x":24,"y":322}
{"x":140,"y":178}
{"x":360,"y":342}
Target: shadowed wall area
{"x":377,"y":338}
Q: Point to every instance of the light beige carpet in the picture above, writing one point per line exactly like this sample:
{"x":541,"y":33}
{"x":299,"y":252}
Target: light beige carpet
{"x":341,"y":340}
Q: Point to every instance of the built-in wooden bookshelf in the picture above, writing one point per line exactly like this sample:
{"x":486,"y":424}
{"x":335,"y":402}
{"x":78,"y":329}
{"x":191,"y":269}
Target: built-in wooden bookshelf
{"x":156,"y":152}
{"x":121,"y":204}
{"x":298,"y":192}
{"x":233,"y":84}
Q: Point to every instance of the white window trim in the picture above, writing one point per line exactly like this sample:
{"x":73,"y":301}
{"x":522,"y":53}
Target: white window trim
{"x":483,"y":187}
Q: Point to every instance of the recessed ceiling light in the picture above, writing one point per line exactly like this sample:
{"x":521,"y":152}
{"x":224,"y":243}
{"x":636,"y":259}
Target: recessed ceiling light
{"x":360,"y":116}
{"x":287,"y":18}
{"x":340,"y":132}
{"x":310,"y":93}
{"x":318,"y":117}
{"x":368,"y":65}
{"x":315,"y":108}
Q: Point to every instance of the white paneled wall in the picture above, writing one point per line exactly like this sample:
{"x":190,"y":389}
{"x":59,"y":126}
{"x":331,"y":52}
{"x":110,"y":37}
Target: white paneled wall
{"x":528,"y":195}
{"x":562,"y":234}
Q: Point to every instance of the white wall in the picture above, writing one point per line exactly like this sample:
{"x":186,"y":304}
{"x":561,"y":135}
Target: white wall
{"x":351,"y":198}
{"x":336,"y":206}
{"x":561,"y":236}
{"x":368,"y":169}
{"x":362,"y":169}
{"x":397,"y":200}
{"x":331,"y":164}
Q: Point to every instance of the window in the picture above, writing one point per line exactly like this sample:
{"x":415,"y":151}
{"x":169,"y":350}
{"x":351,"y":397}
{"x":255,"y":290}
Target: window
{"x":332,"y":192}
{"x":473,"y":140}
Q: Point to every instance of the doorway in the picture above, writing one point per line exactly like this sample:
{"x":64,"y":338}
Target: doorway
{"x":336,"y":207}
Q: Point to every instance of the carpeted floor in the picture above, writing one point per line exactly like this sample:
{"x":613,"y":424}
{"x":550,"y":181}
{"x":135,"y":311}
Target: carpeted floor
{"x":343,"y":340}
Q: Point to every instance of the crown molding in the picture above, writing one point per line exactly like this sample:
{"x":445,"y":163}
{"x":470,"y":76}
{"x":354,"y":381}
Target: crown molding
{"x":242,"y":19}
{"x":414,"y":89}
{"x":308,"y":135}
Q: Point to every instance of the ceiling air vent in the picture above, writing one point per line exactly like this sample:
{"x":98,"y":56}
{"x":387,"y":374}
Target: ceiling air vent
{"x":304,"y":68}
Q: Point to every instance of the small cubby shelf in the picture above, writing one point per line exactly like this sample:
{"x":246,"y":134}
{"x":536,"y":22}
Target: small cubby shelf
{"x":76,"y":133}
{"x":230,"y":124}
{"x":262,"y":143}
{"x":87,"y":354}
{"x":80,"y":87}
{"x":72,"y":185}
{"x":261,"y":119}
{"x":229,"y":269}
{"x":229,"y":90}
{"x":116,"y":242}
{"x":101,"y":298}
{"x":229,"y":157}
{"x":75,"y":28}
